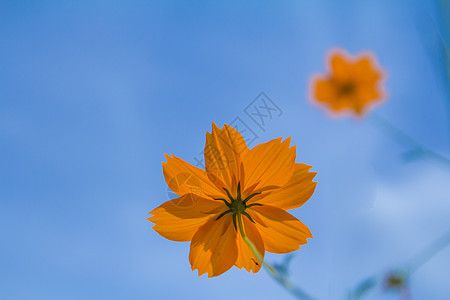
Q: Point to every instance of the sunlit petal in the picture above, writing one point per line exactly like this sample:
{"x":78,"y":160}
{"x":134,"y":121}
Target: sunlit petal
{"x":179,"y":219}
{"x":269,"y":164}
{"x":213,"y":247}
{"x":183,"y":178}
{"x":280,"y":231}
{"x":294,"y":193}
{"x":246,"y":258}
{"x":224,"y":150}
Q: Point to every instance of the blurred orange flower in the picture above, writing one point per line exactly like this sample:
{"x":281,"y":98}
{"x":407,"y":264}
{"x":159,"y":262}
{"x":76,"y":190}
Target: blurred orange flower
{"x":242,"y":192}
{"x":351,"y":84}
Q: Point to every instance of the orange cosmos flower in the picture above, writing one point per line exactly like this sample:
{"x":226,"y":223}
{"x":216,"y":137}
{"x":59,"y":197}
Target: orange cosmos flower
{"x":351,"y":84}
{"x":243,"y":194}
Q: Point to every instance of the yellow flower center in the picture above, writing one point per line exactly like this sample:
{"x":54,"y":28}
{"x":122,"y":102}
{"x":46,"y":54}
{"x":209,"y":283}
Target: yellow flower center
{"x":395,"y":281}
{"x":347,"y":88}
{"x":237,"y":205}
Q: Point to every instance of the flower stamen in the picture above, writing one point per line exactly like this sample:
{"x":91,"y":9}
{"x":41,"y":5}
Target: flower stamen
{"x":237,"y":206}
{"x":224,"y":201}
{"x":223,"y":214}
{"x":347,"y":89}
{"x":254,"y":204}
{"x":248,"y":216}
{"x":250,"y":197}
{"x":234,"y":221}
{"x":229,"y":195}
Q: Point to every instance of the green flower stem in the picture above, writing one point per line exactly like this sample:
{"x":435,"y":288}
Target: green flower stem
{"x":428,"y":253}
{"x":411,"y":266}
{"x":407,"y":140}
{"x":285,"y":282}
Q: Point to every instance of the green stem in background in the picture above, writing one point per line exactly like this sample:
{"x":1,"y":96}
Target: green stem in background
{"x":410,"y":267}
{"x":443,"y":32}
{"x":280,"y":278}
{"x":447,"y":73}
{"x":428,"y":253}
{"x":404,"y":138}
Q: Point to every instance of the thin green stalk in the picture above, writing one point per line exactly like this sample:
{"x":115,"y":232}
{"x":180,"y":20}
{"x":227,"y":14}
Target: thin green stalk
{"x":428,"y":253}
{"x":445,"y":16}
{"x":407,"y":140}
{"x":411,"y":266}
{"x":285,"y":282}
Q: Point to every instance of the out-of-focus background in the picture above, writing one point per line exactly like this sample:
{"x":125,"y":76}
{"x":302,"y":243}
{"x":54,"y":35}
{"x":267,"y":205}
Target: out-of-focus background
{"x":92,"y":93}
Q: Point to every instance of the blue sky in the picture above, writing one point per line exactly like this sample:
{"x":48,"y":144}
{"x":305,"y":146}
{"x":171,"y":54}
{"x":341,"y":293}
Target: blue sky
{"x":93,"y":93}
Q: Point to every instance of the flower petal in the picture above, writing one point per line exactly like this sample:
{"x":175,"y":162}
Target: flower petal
{"x":246,"y":258}
{"x":213,"y":247}
{"x":368,"y":92}
{"x":179,"y":219}
{"x":183,"y":178}
{"x":341,"y":67}
{"x":345,"y":102}
{"x":365,"y":70}
{"x":224,"y":149}
{"x":269,"y":164}
{"x":295,"y":193}
{"x":280,"y":231}
{"x":324,"y":90}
